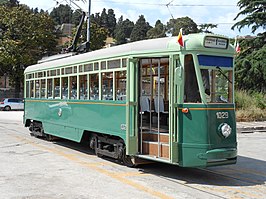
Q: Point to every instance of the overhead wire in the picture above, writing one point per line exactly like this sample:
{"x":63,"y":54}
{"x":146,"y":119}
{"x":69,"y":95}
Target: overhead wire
{"x":169,"y":4}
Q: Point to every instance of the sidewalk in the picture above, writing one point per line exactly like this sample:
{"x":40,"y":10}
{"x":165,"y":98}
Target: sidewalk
{"x":251,"y":127}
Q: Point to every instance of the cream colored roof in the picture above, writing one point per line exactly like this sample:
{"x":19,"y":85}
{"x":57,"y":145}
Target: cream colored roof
{"x":121,"y":50}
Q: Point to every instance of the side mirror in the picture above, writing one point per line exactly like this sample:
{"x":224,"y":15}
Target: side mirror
{"x":178,"y":75}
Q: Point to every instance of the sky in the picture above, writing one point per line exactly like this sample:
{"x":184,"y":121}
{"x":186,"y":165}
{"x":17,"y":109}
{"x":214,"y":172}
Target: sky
{"x":211,"y":11}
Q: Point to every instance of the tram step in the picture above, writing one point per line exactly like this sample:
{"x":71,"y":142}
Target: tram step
{"x":151,"y":148}
{"x":153,"y":137}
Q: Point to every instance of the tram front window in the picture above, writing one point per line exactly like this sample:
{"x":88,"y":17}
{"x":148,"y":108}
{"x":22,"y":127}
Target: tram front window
{"x":217,"y":85}
{"x":192,"y":94}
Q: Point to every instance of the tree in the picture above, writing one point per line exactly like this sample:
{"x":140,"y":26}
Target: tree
{"x":98,"y":36}
{"x":76,"y":17}
{"x":205,"y":27}
{"x":123,"y":30}
{"x":254,"y":12}
{"x":111,"y":22}
{"x":9,"y":3}
{"x":140,"y":29}
{"x":158,"y":31}
{"x":62,"y":14}
{"x":187,"y":24}
{"x":250,"y":64}
{"x":24,"y":37}
{"x":104,"y":19}
{"x":96,"y":18}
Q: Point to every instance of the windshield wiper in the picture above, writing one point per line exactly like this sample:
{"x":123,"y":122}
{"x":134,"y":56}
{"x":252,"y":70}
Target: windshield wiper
{"x":221,"y":72}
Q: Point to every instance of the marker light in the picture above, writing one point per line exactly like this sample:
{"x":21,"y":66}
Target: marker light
{"x":225,"y":129}
{"x":184,"y":110}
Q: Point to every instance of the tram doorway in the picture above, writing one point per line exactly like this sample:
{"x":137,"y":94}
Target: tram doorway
{"x":153,"y":107}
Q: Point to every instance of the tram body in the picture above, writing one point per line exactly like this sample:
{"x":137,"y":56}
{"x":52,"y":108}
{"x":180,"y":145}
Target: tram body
{"x":150,"y":100}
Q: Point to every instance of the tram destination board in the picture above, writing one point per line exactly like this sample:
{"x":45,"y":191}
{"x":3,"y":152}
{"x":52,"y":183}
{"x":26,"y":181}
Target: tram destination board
{"x":216,"y":42}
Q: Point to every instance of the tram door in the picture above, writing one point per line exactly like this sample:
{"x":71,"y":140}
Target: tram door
{"x":153,"y":107}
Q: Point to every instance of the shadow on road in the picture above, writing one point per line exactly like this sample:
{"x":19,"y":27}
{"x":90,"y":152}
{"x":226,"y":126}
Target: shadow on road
{"x":247,"y":171}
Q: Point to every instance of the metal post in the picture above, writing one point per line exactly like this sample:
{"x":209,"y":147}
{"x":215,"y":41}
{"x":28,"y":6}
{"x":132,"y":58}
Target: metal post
{"x":88,"y":28}
{"x":158,"y":105}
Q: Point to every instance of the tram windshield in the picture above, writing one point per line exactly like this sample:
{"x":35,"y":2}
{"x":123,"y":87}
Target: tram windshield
{"x":217,"y":85}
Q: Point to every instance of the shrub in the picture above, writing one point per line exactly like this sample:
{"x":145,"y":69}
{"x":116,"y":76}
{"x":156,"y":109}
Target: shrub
{"x":250,"y":106}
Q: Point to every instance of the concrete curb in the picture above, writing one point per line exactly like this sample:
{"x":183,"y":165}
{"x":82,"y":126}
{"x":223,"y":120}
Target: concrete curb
{"x":251,"y":127}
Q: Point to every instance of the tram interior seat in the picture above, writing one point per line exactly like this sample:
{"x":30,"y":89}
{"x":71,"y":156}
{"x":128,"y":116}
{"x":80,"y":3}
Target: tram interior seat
{"x":145,"y":104}
{"x":159,"y":108}
{"x":146,"y":107}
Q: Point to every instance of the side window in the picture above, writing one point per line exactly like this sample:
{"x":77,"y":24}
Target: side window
{"x":43,"y":88}
{"x":57,"y":88}
{"x":83,"y":90}
{"x":121,"y":85}
{"x":32,"y":89}
{"x":107,"y":86}
{"x":73,"y":87}
{"x":37,"y":89}
{"x":64,"y":88}
{"x":27,"y":89}
{"x":192,"y":94}
{"x":50,"y":88}
{"x":94,"y":86}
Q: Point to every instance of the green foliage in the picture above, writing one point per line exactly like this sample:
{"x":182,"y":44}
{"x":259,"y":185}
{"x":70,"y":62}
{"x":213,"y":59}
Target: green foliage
{"x":250,"y":106}
{"x":250,"y":65}
{"x":158,"y":31}
{"x":62,"y":14}
{"x":140,"y":29}
{"x":123,"y":30}
{"x":104,"y":19}
{"x":254,"y":13}
{"x":205,"y":27}
{"x":24,"y":37}
{"x":111,"y":22}
{"x":76,"y":17}
{"x":9,"y":3}
{"x":187,"y":24}
{"x":98,"y":36}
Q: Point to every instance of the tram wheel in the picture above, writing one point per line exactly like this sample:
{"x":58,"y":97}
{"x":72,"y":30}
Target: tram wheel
{"x":126,"y":159}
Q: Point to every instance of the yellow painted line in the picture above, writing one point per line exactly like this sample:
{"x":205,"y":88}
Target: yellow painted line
{"x":95,"y":167}
{"x":212,"y":109}
{"x":134,"y":184}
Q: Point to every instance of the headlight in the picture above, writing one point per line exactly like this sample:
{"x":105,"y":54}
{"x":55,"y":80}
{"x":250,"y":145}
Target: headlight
{"x":225,"y":129}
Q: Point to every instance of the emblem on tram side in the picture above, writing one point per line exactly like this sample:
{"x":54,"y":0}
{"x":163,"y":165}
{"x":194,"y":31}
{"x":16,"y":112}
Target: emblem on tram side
{"x":59,"y":112}
{"x":123,"y":127}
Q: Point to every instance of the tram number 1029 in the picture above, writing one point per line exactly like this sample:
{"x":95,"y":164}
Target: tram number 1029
{"x":222,"y":115}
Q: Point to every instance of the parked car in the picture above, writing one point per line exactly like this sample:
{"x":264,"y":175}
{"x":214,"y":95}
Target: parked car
{"x":8,"y":104}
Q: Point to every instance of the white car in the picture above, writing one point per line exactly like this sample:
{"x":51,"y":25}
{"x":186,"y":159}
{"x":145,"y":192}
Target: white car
{"x":8,"y":104}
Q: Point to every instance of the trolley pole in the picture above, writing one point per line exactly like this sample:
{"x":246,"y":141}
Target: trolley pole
{"x":88,"y":28}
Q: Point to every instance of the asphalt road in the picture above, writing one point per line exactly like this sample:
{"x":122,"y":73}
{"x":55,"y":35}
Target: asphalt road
{"x":35,"y":168}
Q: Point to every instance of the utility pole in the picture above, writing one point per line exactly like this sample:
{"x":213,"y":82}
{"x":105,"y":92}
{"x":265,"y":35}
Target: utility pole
{"x":88,"y":28}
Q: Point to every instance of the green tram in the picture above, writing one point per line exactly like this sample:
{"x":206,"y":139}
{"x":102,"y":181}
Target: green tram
{"x":151,"y":100}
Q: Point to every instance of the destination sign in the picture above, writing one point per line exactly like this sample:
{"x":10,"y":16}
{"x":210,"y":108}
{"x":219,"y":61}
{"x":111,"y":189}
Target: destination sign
{"x":215,"y":42}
